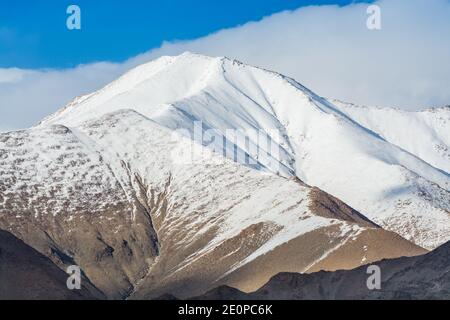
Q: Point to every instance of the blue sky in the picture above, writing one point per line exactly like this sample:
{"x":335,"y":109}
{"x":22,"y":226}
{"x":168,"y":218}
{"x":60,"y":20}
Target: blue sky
{"x":328,"y":48}
{"x":33,"y":33}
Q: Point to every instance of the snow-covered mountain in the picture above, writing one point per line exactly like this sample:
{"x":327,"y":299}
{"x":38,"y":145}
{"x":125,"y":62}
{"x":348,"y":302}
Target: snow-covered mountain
{"x":377,"y":166}
{"x":426,"y":133}
{"x":189,"y":172}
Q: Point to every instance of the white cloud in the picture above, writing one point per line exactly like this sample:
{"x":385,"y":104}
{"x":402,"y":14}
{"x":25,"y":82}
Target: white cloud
{"x":28,"y":96}
{"x":12,"y":75}
{"x":327,"y":48}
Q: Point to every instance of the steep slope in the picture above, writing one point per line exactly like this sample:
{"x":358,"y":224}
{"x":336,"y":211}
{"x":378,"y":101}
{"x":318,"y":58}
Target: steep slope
{"x":26,"y":274}
{"x":422,"y":277}
{"x":276,"y":125}
{"x":141,"y":223}
{"x":430,"y":129}
{"x":190,"y":172}
{"x":62,"y":198}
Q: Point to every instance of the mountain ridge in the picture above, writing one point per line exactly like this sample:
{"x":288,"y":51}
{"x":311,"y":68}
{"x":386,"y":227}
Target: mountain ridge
{"x":119,"y":181}
{"x":25,"y":274}
{"x":423,"y":277}
{"x":224,"y":94}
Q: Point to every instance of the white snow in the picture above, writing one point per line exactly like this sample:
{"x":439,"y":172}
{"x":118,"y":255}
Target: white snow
{"x":391,"y":166}
{"x":426,"y":134}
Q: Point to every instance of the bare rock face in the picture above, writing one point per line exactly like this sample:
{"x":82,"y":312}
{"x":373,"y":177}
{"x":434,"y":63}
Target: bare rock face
{"x":408,"y":278}
{"x":324,"y":204}
{"x":25,"y":274}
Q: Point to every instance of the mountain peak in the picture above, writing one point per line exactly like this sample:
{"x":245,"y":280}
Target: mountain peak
{"x":224,"y":164}
{"x":224,"y":100}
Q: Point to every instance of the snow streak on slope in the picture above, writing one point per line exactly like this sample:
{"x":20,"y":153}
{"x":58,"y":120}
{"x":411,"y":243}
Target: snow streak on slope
{"x":251,"y":198}
{"x":318,"y":143}
{"x":53,"y":154}
{"x":425,"y":134}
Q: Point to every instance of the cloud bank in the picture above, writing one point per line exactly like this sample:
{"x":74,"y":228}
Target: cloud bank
{"x":329,"y":49}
